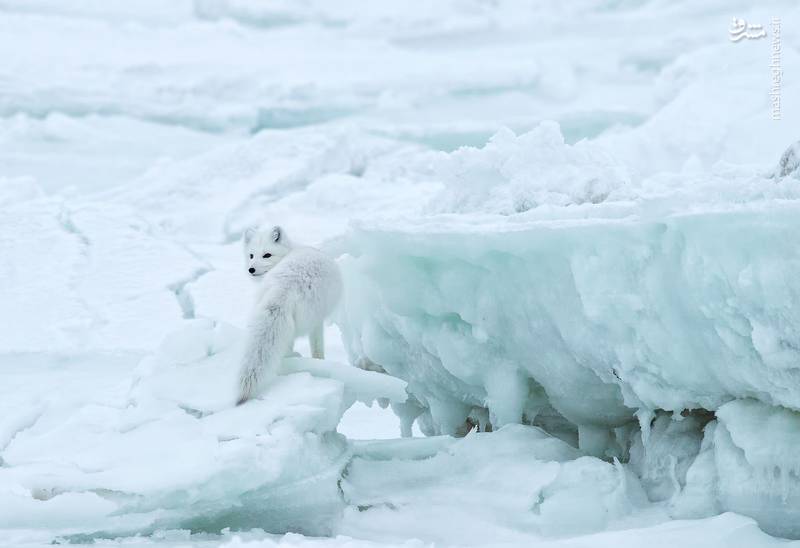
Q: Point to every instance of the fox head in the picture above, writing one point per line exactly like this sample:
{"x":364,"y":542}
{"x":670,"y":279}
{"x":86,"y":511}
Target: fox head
{"x":263,"y":249}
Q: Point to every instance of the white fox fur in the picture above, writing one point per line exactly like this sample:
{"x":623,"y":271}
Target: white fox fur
{"x":298,"y":288}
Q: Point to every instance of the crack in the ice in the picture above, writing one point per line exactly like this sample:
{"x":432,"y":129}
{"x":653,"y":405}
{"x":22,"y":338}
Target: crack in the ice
{"x":184,"y":296}
{"x":196,"y":413}
{"x":65,"y":219}
{"x":198,"y":122}
{"x":25,"y":424}
{"x":68,"y":225}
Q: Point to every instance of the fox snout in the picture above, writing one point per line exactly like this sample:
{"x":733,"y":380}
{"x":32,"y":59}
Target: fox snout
{"x":251,"y":270}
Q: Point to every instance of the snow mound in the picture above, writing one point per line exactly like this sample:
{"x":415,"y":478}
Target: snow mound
{"x":176,"y":452}
{"x":512,"y":174}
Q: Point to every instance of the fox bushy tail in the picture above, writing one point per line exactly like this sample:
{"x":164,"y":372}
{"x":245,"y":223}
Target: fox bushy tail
{"x":270,"y":336}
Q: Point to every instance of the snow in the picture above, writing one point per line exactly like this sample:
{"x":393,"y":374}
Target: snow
{"x":567,"y":235}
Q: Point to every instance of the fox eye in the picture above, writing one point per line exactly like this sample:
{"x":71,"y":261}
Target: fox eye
{"x":267,"y":255}
{"x":251,"y":255}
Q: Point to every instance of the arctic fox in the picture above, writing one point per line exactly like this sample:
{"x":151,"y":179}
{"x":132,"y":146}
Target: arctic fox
{"x":298,"y":288}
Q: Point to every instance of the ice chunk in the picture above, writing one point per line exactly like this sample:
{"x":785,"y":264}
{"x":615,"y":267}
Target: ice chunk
{"x":755,"y":448}
{"x":662,"y":459}
{"x":588,"y":495}
{"x":365,"y":386}
{"x":747,"y":464}
{"x":698,"y":498}
{"x":468,"y":487}
{"x":177,"y":453}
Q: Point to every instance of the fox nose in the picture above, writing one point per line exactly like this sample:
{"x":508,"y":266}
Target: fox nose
{"x":252,"y":270}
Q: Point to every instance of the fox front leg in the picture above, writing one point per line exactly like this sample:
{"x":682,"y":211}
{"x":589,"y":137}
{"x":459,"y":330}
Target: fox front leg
{"x":316,"y":341}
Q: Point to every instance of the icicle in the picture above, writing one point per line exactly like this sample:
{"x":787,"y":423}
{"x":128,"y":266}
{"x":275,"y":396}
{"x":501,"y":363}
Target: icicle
{"x":645,"y":417}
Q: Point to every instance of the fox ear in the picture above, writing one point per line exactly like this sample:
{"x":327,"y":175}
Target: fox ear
{"x":277,"y":234}
{"x":249,"y":233}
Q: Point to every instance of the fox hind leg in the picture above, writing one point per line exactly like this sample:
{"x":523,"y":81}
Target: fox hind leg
{"x":316,"y":341}
{"x":292,"y":353}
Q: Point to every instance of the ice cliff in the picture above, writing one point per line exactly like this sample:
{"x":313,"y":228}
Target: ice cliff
{"x":654,"y":319}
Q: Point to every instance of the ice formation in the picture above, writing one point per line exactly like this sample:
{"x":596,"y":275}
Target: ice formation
{"x":170,"y":450}
{"x":598,"y":316}
{"x":553,"y":491}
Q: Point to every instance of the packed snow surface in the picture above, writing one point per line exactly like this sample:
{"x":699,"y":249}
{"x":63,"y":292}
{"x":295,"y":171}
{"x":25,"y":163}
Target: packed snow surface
{"x":568,"y":237}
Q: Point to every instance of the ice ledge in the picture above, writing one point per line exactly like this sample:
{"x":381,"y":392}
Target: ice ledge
{"x":687,"y":312}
